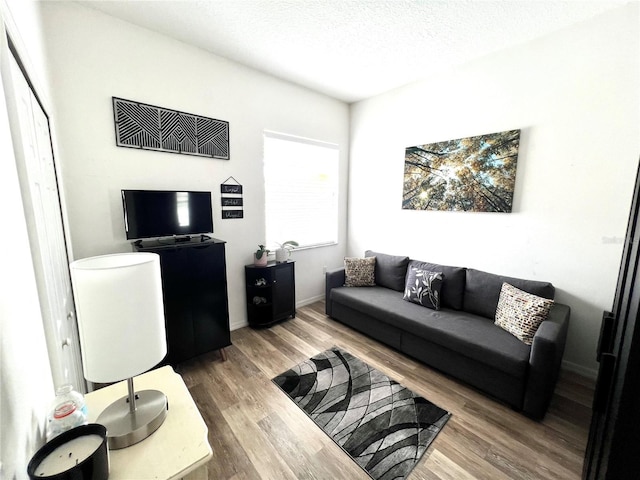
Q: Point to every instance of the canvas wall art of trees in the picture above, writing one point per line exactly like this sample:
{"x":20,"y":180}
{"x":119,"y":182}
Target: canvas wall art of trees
{"x":473,"y":174}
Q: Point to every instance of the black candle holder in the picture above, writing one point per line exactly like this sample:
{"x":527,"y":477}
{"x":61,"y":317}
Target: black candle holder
{"x":94,"y":467}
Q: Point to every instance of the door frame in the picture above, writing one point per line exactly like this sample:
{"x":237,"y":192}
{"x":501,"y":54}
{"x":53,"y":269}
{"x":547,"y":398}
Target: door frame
{"x":10,"y":46}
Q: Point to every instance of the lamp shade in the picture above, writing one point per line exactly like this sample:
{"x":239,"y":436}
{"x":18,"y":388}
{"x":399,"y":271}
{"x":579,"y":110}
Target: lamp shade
{"x":120,"y":314}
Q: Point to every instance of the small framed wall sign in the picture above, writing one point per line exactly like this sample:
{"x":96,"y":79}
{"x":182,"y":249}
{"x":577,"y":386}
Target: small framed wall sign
{"x":234,"y":189}
{"x":149,"y":127}
{"x":231,"y":202}
{"x":230,"y":214}
{"x":231,"y":198}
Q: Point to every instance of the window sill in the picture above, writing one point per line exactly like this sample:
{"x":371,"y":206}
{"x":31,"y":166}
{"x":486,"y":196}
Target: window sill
{"x":308,"y":247}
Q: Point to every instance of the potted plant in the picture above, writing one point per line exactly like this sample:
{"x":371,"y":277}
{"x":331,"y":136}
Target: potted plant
{"x":284,"y":250}
{"x":260,"y":257}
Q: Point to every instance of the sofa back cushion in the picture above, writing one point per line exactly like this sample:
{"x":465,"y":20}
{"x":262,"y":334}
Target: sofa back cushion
{"x":453,"y":280}
{"x":390,"y":270}
{"x":482,"y":291}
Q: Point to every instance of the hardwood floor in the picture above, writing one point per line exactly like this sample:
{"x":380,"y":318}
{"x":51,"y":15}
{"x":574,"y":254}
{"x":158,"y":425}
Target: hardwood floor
{"x":256,"y":432}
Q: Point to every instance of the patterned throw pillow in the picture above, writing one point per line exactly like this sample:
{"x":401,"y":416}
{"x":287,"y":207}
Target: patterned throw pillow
{"x":521,"y":313}
{"x":359,"y":272}
{"x":423,"y":287}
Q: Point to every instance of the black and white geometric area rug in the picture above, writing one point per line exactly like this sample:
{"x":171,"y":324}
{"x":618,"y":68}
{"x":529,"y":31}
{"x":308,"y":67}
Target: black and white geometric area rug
{"x":384,"y":427}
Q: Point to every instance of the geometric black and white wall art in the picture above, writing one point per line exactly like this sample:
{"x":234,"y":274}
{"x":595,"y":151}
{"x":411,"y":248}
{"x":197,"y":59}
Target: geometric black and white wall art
{"x":472,"y":174}
{"x":148,"y":127}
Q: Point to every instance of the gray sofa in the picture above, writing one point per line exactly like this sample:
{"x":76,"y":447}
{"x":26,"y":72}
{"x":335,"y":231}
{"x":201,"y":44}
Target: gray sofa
{"x":461,"y":338}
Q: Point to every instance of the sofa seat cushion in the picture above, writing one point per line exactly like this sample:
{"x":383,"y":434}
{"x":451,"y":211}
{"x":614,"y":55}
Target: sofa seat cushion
{"x":470,"y":335}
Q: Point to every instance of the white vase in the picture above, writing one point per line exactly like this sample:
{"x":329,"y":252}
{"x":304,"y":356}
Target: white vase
{"x":282,"y":255}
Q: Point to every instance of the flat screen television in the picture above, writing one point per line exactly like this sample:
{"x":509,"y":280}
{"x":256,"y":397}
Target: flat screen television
{"x":163,"y":213}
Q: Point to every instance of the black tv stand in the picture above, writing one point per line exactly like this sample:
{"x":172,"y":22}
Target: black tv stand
{"x":194,"y":290}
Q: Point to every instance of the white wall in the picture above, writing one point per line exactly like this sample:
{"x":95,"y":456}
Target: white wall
{"x":26,"y":385}
{"x":575,"y":95}
{"x":93,"y":57}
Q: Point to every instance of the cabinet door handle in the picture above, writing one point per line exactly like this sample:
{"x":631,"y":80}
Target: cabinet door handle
{"x":604,"y":382}
{"x":607,"y":333}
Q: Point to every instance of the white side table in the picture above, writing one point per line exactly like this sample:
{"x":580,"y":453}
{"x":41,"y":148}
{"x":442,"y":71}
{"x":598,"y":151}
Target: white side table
{"x":178,"y":448}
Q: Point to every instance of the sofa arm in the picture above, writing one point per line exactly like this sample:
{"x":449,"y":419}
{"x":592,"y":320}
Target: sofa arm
{"x":333,"y":279}
{"x":547,"y":350}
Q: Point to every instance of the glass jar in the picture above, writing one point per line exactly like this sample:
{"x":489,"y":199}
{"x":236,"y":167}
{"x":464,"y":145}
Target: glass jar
{"x":67,"y":411}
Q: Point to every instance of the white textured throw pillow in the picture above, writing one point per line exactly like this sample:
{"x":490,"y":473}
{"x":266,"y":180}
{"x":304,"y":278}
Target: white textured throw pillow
{"x":360,"y":272}
{"x":521,"y":313}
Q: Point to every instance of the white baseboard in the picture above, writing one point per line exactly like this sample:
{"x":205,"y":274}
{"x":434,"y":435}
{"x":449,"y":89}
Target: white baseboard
{"x":580,"y":370}
{"x":236,"y":325}
{"x":309,"y":301}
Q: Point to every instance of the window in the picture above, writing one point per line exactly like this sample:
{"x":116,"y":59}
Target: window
{"x":301,"y":190}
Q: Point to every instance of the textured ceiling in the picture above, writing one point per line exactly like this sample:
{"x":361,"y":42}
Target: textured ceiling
{"x":353,"y":49}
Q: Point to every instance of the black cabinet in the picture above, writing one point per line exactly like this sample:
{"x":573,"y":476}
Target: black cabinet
{"x":271,"y":293}
{"x":194,"y":284}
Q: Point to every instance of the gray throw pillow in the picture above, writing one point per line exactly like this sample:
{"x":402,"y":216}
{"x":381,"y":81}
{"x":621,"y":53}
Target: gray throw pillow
{"x":391,"y":270}
{"x":423,"y":287}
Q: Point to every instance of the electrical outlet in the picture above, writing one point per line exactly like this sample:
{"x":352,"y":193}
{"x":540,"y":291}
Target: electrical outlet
{"x":324,"y":270}
{"x":612,"y":240}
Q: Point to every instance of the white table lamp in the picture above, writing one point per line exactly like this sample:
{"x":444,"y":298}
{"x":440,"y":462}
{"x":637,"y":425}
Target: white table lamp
{"x":122,"y":334}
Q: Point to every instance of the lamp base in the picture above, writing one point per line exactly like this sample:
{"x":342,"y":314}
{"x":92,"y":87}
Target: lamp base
{"x":126,"y":427}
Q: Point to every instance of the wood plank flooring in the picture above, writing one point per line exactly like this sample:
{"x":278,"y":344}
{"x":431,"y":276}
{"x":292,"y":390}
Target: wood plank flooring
{"x":256,"y":432}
